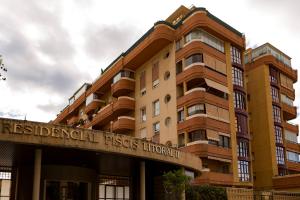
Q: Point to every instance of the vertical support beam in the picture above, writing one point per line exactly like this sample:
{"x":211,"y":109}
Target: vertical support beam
{"x":142,"y":181}
{"x":37,"y":175}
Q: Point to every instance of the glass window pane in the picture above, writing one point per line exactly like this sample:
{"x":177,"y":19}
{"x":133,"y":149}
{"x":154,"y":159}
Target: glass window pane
{"x":110,"y":192}
{"x":120,"y":192}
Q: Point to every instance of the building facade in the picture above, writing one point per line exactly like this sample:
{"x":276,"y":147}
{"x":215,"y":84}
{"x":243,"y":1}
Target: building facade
{"x":270,"y":79}
{"x":181,"y":84}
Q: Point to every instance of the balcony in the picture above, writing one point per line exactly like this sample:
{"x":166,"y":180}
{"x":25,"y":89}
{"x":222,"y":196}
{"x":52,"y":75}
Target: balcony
{"x":286,"y":182}
{"x":214,"y":178}
{"x":123,"y":124}
{"x":199,"y":95}
{"x":203,"y":149}
{"x":116,"y":108}
{"x":295,"y":166}
{"x":201,"y":121}
{"x":289,"y":112}
{"x":95,"y":104}
{"x":198,"y":70}
{"x":287,"y":92}
{"x":293,"y":146}
{"x":291,"y":127}
{"x":122,"y":87}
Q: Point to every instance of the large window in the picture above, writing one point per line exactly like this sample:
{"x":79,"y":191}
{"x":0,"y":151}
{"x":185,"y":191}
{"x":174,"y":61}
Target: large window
{"x":156,"y":108}
{"x":280,"y":155}
{"x":195,"y":58}
{"x":239,"y":100}
{"x":276,"y":114}
{"x":224,"y":141}
{"x":278,"y":134}
{"x":123,"y":73}
{"x":196,"y":109}
{"x":206,"y":38}
{"x":236,"y":55}
{"x":114,"y":188}
{"x":244,"y":172}
{"x":243,"y":149}
{"x":237,"y":76}
{"x":287,"y":100}
{"x":242,"y":124}
{"x":197,"y":135}
{"x":290,"y":136}
{"x":292,"y":156}
{"x":5,"y":184}
{"x":275,"y":94}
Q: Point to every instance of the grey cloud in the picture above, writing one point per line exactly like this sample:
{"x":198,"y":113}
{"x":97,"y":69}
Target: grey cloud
{"x":107,"y":41}
{"x":50,"y":107}
{"x":27,"y":70}
{"x":12,"y":114}
{"x":287,"y":10}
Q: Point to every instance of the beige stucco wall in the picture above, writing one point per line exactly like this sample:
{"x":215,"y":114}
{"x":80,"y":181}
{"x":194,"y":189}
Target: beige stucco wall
{"x":167,"y":133}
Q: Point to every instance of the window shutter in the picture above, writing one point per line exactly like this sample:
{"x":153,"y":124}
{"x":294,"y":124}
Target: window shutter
{"x":143,"y":80}
{"x":155,"y":71}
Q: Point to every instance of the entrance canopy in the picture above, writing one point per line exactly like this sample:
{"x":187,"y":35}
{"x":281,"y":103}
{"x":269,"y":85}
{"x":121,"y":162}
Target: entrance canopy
{"x":47,"y":134}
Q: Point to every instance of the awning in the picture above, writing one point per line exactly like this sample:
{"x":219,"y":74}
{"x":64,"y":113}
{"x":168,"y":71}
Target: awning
{"x":216,"y":85}
{"x":212,"y":135}
{"x":219,"y":159}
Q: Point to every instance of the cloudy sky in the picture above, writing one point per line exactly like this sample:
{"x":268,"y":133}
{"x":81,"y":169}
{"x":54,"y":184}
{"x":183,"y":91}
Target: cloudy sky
{"x":51,"y":47}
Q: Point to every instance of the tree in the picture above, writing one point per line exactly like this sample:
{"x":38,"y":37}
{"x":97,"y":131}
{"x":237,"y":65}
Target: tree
{"x":174,"y":183}
{"x":3,"y":69}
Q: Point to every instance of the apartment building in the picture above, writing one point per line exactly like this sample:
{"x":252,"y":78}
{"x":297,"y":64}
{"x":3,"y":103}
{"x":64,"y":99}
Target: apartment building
{"x":275,"y":149}
{"x":181,"y":84}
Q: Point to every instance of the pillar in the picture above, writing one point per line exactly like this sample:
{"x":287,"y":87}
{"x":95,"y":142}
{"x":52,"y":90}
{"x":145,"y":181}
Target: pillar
{"x":37,"y":175}
{"x":142,"y":181}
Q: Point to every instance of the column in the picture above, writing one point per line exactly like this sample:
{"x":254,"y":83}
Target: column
{"x":142,"y":181}
{"x":37,"y":174}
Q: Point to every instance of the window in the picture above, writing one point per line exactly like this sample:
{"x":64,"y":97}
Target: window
{"x":275,"y":94}
{"x":168,"y":121}
{"x":197,"y":135}
{"x":243,"y":169}
{"x":287,"y":100}
{"x":156,"y":108}
{"x":242,"y":124}
{"x":243,"y":148}
{"x":143,"y":83}
{"x":292,"y":156}
{"x":143,"y":133}
{"x":273,"y":76}
{"x":237,"y":75}
{"x":224,"y":141}
{"x":195,"y":58}
{"x":278,"y":134}
{"x":180,"y":115}
{"x":239,"y":100}
{"x":113,"y":188}
{"x":276,"y":114}
{"x":280,"y":155}
{"x":181,"y":140}
{"x":167,"y":98}
{"x":206,"y":38}
{"x":196,"y":109}
{"x":123,"y":73}
{"x":167,"y":75}
{"x":156,"y":128}
{"x":235,"y":55}
{"x":155,"y":74}
{"x":290,"y":136}
{"x":5,"y":183}
{"x":143,"y":114}
{"x":178,"y":67}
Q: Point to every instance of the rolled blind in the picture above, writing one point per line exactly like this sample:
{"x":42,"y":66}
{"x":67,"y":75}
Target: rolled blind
{"x":143,"y":80}
{"x":155,"y":71}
